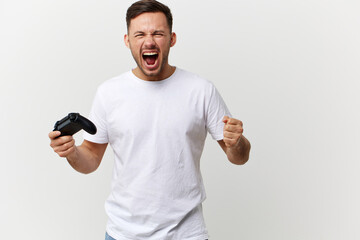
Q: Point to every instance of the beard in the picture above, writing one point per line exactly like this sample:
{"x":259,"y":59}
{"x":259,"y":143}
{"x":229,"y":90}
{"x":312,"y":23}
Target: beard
{"x":155,"y":73}
{"x":152,"y":73}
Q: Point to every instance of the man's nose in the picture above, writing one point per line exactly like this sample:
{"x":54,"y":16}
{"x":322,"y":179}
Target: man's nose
{"x":149,"y":41}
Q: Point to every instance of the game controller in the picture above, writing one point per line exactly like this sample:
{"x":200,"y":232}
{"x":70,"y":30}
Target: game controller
{"x":73,"y":123}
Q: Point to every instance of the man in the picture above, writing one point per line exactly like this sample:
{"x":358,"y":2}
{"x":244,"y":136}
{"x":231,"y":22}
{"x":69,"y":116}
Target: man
{"x":156,"y":118}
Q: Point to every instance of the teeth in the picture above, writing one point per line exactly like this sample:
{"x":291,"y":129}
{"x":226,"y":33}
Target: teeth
{"x":149,"y":54}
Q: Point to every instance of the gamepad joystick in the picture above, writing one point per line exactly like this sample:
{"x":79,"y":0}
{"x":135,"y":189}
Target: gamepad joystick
{"x":73,"y":123}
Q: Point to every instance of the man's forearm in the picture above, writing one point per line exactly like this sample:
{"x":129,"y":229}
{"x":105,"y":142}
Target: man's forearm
{"x":239,"y":154}
{"x":83,"y":160}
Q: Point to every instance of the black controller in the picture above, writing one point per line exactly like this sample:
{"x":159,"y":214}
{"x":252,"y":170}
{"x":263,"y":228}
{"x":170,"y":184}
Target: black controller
{"x":73,"y":123}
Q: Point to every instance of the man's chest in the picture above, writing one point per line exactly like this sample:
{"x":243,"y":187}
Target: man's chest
{"x":135,"y":117}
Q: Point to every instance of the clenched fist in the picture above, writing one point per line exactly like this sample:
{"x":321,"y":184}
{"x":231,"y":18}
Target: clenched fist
{"x":233,"y":131}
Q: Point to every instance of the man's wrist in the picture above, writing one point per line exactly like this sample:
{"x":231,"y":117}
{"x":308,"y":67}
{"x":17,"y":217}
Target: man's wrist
{"x":239,"y":153}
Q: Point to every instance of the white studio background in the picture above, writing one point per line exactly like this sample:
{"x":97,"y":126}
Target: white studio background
{"x":288,"y":69}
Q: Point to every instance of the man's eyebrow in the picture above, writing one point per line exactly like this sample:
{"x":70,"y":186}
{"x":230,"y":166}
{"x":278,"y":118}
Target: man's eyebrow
{"x":159,"y":31}
{"x":138,"y":32}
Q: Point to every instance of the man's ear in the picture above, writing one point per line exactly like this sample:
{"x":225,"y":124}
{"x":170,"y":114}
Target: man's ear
{"x":173,"y":39}
{"x":126,"y":40}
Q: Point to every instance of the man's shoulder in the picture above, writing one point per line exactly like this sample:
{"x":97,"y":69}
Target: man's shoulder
{"x":193,"y":78}
{"x":116,"y":81}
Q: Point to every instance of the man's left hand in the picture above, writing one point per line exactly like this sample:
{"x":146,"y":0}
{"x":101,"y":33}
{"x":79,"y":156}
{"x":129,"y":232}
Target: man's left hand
{"x":233,"y":131}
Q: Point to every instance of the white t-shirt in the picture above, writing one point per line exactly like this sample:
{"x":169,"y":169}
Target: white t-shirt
{"x":157,"y":131}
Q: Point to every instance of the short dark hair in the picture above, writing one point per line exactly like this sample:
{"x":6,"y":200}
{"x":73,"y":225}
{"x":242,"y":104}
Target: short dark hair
{"x":144,"y":6}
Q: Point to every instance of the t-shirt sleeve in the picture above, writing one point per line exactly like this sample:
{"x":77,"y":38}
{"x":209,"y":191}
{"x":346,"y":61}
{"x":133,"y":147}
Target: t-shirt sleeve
{"x":216,"y":110}
{"x":98,"y":117}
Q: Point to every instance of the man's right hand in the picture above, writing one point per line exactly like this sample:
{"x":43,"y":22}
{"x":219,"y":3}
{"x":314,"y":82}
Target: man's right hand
{"x":85,"y":158}
{"x":63,"y":146}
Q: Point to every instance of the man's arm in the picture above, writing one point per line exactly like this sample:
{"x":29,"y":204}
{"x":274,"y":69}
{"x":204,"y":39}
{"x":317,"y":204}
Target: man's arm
{"x":85,"y":158}
{"x":234,"y":144}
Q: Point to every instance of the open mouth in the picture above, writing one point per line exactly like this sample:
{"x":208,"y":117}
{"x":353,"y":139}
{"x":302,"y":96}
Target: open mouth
{"x":150,"y":58}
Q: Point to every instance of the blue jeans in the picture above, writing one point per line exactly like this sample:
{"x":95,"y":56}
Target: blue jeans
{"x":107,"y":237}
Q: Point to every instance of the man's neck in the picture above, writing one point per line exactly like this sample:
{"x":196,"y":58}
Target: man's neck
{"x":166,"y":73}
